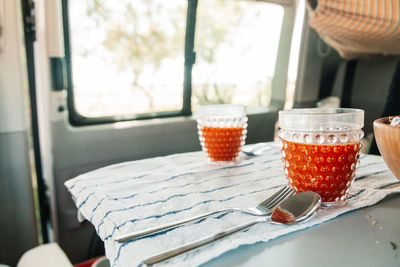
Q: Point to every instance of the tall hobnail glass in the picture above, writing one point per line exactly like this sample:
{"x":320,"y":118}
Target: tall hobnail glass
{"x":222,"y":131}
{"x":321,"y":150}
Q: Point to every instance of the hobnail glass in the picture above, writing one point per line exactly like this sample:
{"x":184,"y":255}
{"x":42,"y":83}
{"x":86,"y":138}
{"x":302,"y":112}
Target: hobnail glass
{"x":321,"y":150}
{"x":222,"y":131}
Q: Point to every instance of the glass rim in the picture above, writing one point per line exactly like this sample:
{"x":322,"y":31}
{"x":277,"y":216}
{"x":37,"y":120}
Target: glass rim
{"x":321,"y":111}
{"x":220,"y":106}
{"x":221,"y":111}
{"x":321,"y":119}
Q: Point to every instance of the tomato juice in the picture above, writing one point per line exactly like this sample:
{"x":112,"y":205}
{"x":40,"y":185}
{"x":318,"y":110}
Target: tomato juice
{"x":328,"y":170}
{"x":222,"y":144}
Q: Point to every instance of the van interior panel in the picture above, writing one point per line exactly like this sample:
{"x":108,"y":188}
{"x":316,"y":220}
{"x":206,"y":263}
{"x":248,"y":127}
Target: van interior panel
{"x":88,"y":84}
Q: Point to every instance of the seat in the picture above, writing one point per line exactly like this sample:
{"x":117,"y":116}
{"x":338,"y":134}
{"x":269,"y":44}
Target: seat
{"x":364,"y":83}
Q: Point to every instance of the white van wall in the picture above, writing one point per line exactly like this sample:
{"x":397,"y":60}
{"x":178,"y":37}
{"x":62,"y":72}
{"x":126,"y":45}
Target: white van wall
{"x":18,"y":228}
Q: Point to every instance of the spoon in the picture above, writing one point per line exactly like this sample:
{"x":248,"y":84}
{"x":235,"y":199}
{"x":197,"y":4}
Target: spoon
{"x":294,"y":209}
{"x":256,"y":150}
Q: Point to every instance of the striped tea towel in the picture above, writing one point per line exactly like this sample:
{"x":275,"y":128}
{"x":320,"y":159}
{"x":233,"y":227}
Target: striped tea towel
{"x":137,"y":195}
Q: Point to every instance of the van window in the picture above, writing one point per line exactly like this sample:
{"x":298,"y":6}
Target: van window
{"x":160,"y":58}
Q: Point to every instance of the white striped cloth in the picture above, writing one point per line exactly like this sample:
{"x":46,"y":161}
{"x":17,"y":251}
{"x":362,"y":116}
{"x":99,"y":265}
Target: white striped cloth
{"x":136,"y":195}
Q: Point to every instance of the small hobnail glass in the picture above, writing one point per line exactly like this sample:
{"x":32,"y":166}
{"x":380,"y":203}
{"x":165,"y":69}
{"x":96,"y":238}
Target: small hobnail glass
{"x":222,"y":131}
{"x":321,"y":150}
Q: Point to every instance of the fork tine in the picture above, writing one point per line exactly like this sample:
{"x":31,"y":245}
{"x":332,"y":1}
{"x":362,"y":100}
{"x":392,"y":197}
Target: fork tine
{"x":271,"y":198}
{"x":275,"y":195}
{"x":286,"y":192}
{"x":280,"y":198}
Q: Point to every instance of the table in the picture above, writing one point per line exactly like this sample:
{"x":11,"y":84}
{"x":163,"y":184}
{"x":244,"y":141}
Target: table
{"x":355,"y":242}
{"x":140,"y":194}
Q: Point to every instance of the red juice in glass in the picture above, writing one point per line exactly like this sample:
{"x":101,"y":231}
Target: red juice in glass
{"x":222,"y":144}
{"x":222,"y":131}
{"x":320,"y":150}
{"x":328,"y":170}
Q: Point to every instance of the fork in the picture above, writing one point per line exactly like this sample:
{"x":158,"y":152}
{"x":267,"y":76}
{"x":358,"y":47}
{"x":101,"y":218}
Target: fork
{"x":262,"y":209}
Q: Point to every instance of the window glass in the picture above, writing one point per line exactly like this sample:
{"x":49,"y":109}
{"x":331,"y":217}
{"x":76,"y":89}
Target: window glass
{"x":127,"y":56}
{"x":236,"y":46}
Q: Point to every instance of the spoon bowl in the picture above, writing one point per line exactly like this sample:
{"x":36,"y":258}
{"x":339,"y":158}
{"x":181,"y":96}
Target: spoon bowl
{"x":294,"y":209}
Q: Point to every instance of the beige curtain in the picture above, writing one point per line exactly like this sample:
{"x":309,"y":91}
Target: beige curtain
{"x":356,"y":28}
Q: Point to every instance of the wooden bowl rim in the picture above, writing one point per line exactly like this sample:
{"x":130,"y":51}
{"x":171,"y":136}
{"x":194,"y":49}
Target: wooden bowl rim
{"x":384,"y":122}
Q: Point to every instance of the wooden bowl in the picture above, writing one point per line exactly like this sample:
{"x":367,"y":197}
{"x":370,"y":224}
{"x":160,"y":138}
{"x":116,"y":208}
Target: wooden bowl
{"x":388,"y":140}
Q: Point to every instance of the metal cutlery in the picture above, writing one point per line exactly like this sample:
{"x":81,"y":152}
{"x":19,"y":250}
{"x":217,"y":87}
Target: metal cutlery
{"x":294,"y":209}
{"x":262,"y":209}
{"x":256,"y":150}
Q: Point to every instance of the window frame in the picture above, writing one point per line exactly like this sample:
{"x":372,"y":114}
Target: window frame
{"x":76,"y":119}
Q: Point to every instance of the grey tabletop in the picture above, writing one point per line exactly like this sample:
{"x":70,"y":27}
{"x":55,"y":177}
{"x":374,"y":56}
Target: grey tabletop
{"x":364,"y":237}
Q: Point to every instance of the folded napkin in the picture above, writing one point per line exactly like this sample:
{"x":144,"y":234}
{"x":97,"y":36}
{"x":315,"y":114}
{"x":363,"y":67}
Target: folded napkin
{"x":137,"y":195}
